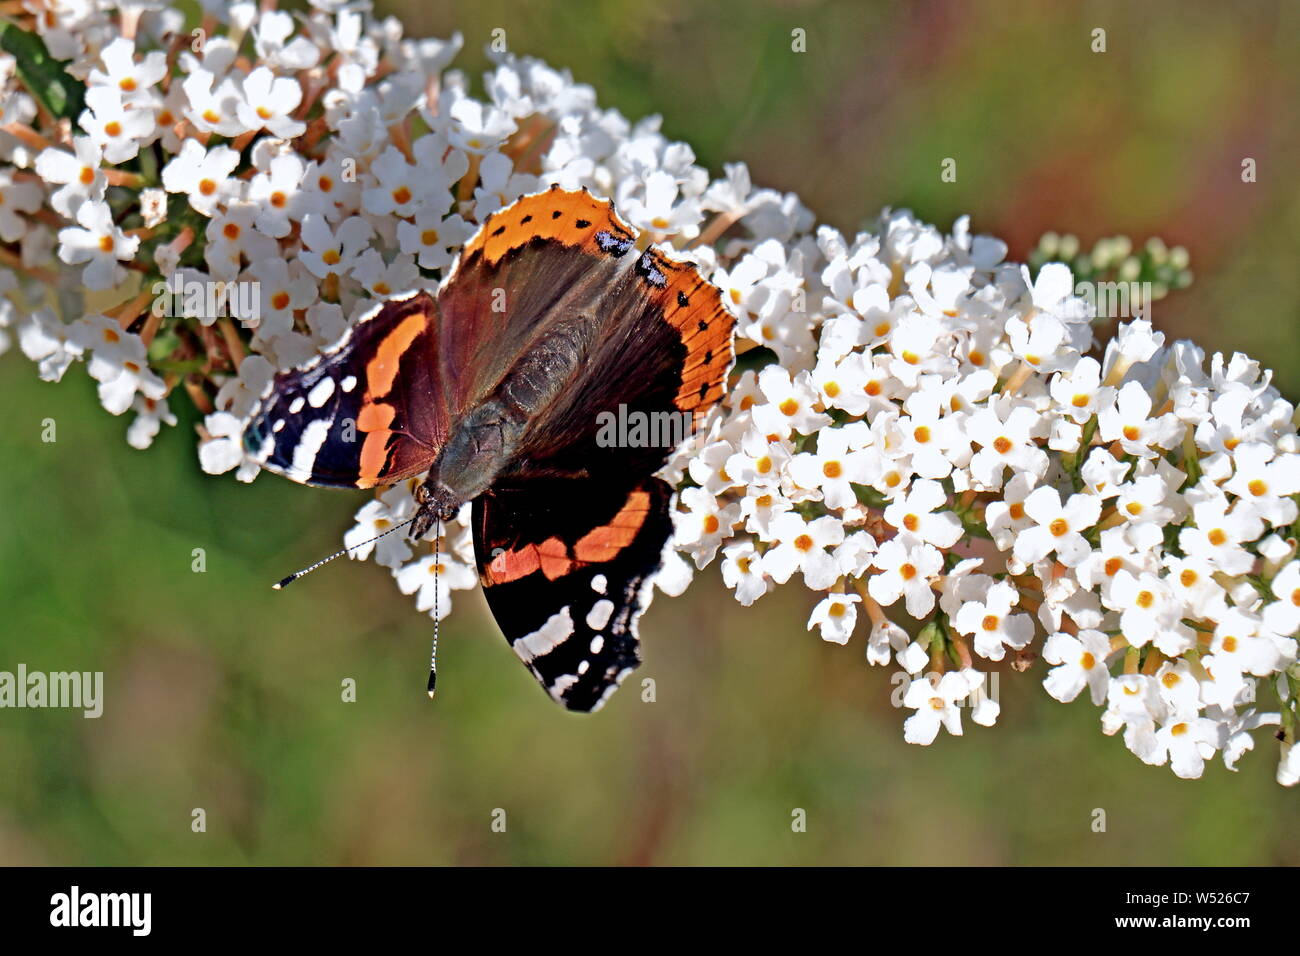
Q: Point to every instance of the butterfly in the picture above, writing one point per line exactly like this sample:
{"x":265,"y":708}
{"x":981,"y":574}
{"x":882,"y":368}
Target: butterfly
{"x":501,"y":389}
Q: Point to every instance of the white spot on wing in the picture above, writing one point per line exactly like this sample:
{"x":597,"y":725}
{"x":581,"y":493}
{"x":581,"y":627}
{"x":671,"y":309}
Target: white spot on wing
{"x":296,"y":405}
{"x":597,"y":643}
{"x":562,"y":684}
{"x":279,"y":423}
{"x":313,"y":437}
{"x":349,"y":383}
{"x":599,"y":614}
{"x":547,"y":638}
{"x":599,"y":583}
{"x":321,"y":392}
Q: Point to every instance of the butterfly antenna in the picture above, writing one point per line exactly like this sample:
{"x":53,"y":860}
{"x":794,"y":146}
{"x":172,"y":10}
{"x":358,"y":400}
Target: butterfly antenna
{"x":433,"y":654}
{"x":338,"y":554}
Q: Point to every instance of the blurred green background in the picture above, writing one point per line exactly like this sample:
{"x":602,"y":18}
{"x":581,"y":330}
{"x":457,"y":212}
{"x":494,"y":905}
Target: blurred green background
{"x":224,"y":695}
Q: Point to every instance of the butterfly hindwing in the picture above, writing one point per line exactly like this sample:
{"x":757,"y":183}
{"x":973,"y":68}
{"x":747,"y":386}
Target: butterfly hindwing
{"x":567,"y":567}
{"x":369,"y":411}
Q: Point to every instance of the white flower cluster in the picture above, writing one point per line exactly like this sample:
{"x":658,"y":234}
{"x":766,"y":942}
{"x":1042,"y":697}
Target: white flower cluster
{"x":934,"y":438}
{"x":928,"y":432}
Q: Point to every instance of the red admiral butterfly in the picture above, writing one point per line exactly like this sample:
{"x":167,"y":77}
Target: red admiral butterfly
{"x":492,"y":389}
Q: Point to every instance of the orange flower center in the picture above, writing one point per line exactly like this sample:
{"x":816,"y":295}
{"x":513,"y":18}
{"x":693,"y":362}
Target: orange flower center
{"x":1059,"y":527}
{"x":832,"y":469}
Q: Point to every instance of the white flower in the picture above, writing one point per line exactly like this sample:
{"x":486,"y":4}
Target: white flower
{"x":477,"y":127}
{"x":203,"y":175}
{"x":1078,"y":391}
{"x":375,"y":517}
{"x":742,"y":571}
{"x":224,"y":449}
{"x":1188,"y":742}
{"x":332,"y":252}
{"x":1127,"y":422}
{"x":114,"y":127}
{"x":1219,"y":533}
{"x":917,"y":513}
{"x":1081,"y":662}
{"x":993,"y":625}
{"x":432,"y":581}
{"x":790,"y":404}
{"x":151,"y":415}
{"x":267,"y":103}
{"x":802,"y":547}
{"x":99,"y":243}
{"x":1058,"y":527}
{"x":77,"y":172}
{"x":935,"y":700}
{"x":131,"y":79}
{"x":1006,"y":441}
{"x":906,"y":568}
{"x":836,"y":615}
{"x":834,"y":467}
{"x":1267,"y":482}
{"x":701,"y":528}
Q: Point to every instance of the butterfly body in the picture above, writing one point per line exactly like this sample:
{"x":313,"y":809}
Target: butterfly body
{"x":493,"y":392}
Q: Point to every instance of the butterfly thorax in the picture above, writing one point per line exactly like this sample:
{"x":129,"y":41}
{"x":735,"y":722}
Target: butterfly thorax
{"x":487,"y":441}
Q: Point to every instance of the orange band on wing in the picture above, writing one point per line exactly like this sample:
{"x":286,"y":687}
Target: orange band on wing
{"x":603,"y":543}
{"x":554,"y":559}
{"x":551,"y":557}
{"x":382,"y":369}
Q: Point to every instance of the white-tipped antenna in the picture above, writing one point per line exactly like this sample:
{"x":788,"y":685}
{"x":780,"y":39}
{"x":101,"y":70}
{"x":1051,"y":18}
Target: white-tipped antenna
{"x":338,"y":554}
{"x":433,"y":654}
